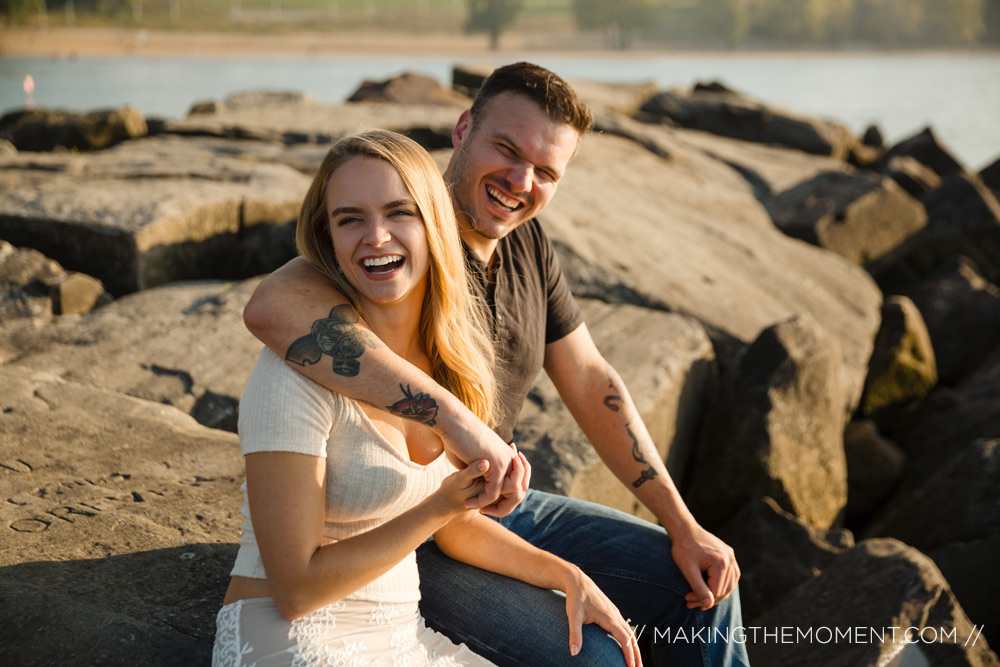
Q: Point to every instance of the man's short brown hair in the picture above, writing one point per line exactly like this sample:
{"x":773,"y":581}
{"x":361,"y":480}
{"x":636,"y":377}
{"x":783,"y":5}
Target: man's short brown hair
{"x":545,"y":88}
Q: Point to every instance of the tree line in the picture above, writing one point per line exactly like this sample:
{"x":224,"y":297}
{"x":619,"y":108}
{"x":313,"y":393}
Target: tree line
{"x":623,"y":23}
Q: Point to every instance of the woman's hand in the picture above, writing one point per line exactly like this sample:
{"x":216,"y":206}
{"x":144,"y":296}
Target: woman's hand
{"x":586,"y":603}
{"x":452,"y":497}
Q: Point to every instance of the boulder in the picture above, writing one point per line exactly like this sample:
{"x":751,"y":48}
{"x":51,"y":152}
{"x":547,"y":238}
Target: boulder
{"x":859,"y":216}
{"x":7,"y":148}
{"x":777,"y":552}
{"x":874,"y":468}
{"x":890,"y":606}
{"x":178,"y":345}
{"x":963,"y":219}
{"x":150,"y":212}
{"x":409,"y":88}
{"x":304,"y":122}
{"x":775,"y":428}
{"x":990,"y":176}
{"x":971,"y":571}
{"x":32,"y":285}
{"x":115,"y":506}
{"x":47,"y":129}
{"x":732,"y":114}
{"x":935,"y":430}
{"x":691,"y":238}
{"x":669,"y":378}
{"x":962,"y":312}
{"x":915,"y":178}
{"x":903,"y":367}
{"x":957,"y":504}
{"x":925,"y":148}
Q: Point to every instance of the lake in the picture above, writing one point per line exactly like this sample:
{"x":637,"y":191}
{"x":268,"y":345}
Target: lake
{"x":957,"y":94}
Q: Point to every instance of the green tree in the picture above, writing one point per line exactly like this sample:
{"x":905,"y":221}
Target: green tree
{"x":620,"y":20}
{"x":727,"y":19}
{"x":18,"y":11}
{"x":491,"y":17}
{"x":954,"y":21}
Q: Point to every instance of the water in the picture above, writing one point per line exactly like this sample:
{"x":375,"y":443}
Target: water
{"x":957,"y":94}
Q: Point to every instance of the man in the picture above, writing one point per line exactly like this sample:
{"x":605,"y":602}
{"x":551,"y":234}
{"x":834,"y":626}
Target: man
{"x":511,"y":149}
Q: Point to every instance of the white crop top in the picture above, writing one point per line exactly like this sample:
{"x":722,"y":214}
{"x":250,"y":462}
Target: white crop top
{"x":368,"y":481}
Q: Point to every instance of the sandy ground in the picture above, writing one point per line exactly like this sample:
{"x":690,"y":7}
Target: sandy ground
{"x":108,"y":42}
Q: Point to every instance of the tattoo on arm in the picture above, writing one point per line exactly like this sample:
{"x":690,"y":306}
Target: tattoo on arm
{"x":419,"y":407}
{"x":613,"y":399}
{"x":336,"y":336}
{"x":647,"y":474}
{"x":614,"y":402}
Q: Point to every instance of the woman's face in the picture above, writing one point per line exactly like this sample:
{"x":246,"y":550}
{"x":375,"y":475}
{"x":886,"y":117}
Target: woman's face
{"x":378,"y":232}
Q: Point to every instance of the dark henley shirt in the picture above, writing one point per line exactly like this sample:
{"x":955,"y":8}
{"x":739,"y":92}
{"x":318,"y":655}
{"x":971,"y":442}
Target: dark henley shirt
{"x":530,"y":305}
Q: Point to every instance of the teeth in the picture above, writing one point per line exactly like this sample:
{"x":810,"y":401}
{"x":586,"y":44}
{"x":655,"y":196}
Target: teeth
{"x":382,"y":261}
{"x":507,"y":202}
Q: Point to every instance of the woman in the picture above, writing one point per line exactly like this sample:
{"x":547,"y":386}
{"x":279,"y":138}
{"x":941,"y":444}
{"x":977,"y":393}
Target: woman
{"x":338,"y":495}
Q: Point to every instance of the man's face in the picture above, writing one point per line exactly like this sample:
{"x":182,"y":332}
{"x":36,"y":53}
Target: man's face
{"x":506,"y":167}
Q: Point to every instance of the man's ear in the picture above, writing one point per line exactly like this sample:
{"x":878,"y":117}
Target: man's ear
{"x":462,"y":127}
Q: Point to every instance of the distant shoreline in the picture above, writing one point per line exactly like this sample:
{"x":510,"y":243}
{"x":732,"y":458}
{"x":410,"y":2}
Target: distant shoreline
{"x":67,"y":43}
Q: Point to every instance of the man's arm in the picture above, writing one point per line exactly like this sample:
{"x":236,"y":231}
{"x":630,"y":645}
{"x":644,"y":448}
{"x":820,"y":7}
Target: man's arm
{"x":601,"y":405}
{"x":298,"y":313}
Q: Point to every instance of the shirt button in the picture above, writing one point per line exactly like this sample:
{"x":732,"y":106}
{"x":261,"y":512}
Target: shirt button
{"x":499,"y":316}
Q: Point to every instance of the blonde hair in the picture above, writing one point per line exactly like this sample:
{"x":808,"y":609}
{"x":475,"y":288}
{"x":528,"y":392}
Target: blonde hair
{"x":451,"y":327}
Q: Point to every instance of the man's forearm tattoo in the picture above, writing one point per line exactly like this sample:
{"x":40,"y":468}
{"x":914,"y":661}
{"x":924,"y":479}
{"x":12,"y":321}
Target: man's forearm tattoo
{"x":613,"y":399}
{"x":337,"y":336}
{"x":647,"y":474}
{"x":419,"y":407}
{"x":614,"y":402}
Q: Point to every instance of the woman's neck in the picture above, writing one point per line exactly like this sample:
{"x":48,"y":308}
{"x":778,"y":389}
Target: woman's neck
{"x":398,"y":326}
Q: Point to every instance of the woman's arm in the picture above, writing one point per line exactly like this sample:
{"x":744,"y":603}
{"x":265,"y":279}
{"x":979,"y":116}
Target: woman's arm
{"x":484,"y":543}
{"x":287,"y":493}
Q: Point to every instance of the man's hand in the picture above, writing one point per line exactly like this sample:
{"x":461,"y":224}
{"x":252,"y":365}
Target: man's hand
{"x":700,"y":554}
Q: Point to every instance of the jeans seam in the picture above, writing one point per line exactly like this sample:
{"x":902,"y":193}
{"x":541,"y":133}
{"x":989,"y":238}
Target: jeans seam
{"x":632,"y":576}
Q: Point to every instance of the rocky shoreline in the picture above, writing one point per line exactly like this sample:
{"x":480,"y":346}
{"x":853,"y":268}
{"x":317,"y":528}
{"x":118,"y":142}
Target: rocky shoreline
{"x":809,"y":322}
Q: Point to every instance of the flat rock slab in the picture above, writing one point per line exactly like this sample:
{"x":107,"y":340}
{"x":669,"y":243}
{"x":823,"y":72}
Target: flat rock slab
{"x":183,"y":345}
{"x":876,"y":586}
{"x":669,"y":376}
{"x":113,"y":508}
{"x":150,"y":211}
{"x":686,"y":234}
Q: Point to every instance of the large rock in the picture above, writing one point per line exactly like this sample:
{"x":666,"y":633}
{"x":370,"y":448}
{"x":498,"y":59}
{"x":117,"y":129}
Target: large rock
{"x":874,"y":468}
{"x":150,"y":212}
{"x":721,"y":111}
{"x":935,"y":430}
{"x":903,"y":367}
{"x":915,"y":178}
{"x":958,"y":504}
{"x":669,"y":377}
{"x":777,"y":552}
{"x":429,"y":125}
{"x":47,"y":129}
{"x":113,"y":507}
{"x":961,"y":310}
{"x":926,"y":149}
{"x":971,"y":571}
{"x":690,"y":237}
{"x":409,"y":88}
{"x":179,"y":345}
{"x":890,"y":605}
{"x":32,"y":285}
{"x":963,"y":219}
{"x":991,"y":177}
{"x":775,"y":428}
{"x":859,"y":216}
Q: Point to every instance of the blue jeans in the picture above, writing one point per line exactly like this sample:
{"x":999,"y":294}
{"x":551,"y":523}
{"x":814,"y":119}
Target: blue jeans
{"x":513,"y":623}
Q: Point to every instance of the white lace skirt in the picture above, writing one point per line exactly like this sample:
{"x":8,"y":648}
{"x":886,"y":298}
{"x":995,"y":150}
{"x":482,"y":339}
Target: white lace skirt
{"x":350,"y":633}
